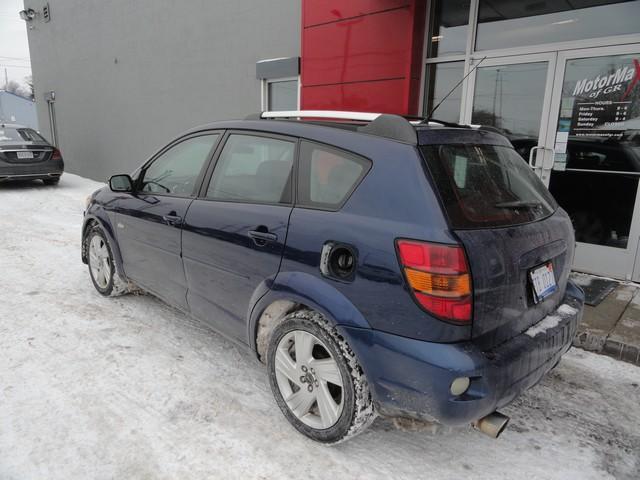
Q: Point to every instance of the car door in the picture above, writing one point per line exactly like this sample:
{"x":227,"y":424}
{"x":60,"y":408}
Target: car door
{"x":234,"y":232}
{"x":149,"y":221}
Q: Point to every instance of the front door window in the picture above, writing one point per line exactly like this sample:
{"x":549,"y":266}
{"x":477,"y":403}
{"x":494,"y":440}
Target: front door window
{"x":175,"y":171}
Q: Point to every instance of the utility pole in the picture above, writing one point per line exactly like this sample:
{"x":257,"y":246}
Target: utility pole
{"x":6,"y":78}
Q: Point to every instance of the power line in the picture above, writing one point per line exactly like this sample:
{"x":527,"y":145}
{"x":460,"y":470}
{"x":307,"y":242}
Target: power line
{"x":15,"y":58}
{"x":14,"y":66}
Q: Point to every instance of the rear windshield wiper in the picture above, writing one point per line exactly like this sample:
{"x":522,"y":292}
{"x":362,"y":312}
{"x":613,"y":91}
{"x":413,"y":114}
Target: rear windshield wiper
{"x":518,"y":204}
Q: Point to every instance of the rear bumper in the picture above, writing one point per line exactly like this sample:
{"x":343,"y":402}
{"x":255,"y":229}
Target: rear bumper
{"x":411,"y":378}
{"x":27,"y":171}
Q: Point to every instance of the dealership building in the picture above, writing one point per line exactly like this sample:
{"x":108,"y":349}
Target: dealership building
{"x":117,"y":80}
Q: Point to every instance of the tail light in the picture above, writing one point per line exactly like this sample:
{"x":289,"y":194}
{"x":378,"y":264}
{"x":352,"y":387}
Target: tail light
{"x":439,"y":279}
{"x":56,"y":154}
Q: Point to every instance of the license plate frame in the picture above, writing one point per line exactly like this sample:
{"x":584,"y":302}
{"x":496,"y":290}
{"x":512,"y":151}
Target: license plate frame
{"x":543,"y":281}
{"x":26,"y":155}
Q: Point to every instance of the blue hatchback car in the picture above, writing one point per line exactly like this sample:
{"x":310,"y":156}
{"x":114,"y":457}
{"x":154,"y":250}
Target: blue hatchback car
{"x":377,"y":265}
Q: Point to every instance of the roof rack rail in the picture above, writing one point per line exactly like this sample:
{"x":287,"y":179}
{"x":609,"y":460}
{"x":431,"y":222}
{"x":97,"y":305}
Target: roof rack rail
{"x":379,"y":124}
{"x":334,"y":114}
{"x":444,"y":123}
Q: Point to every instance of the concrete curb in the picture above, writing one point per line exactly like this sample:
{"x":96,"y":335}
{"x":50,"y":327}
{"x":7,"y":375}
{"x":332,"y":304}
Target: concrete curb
{"x":613,"y":327}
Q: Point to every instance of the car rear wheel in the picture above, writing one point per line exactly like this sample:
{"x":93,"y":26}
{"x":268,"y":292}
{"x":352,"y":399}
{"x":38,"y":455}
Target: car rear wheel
{"x":102,"y":268}
{"x":316,"y":379}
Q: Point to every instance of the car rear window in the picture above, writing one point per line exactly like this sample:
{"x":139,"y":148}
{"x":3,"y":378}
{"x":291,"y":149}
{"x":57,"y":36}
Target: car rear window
{"x":8,"y":134}
{"x":328,"y":175}
{"x":485,"y":186}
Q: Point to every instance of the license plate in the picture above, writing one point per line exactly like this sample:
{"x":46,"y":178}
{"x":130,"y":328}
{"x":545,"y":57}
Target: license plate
{"x":24,"y":154}
{"x":543,"y":281}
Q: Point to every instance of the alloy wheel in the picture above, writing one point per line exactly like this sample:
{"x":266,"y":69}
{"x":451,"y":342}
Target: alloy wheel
{"x":309,"y":379}
{"x":99,"y":261}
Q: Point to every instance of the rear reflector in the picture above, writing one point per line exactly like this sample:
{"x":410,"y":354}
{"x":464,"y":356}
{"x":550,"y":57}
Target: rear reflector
{"x":438,"y":276}
{"x":56,"y":155}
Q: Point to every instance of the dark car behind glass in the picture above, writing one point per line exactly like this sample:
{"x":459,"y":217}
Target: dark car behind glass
{"x":26,"y":155}
{"x":376,"y":266}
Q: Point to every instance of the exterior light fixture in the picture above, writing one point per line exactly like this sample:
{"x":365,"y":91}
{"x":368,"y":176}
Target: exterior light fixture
{"x":27,"y":15}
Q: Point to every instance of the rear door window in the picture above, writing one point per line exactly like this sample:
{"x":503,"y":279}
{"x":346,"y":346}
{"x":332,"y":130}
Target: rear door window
{"x":253,"y":169}
{"x":328,"y":175}
{"x":486,"y":186}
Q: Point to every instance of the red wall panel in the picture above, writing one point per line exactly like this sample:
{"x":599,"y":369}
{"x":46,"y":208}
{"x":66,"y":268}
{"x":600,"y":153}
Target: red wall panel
{"x":385,"y":96}
{"x":362,"y":54}
{"x":358,"y":49}
{"x":324,"y":11}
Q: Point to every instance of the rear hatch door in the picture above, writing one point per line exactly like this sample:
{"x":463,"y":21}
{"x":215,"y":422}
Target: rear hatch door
{"x":502,"y":262}
{"x":511,"y":228}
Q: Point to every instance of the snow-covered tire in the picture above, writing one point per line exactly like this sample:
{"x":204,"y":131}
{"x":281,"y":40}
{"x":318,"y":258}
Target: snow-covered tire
{"x":298,"y":381}
{"x":111,"y":284}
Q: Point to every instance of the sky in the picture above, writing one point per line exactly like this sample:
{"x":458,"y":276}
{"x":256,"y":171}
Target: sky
{"x":14,"y":48}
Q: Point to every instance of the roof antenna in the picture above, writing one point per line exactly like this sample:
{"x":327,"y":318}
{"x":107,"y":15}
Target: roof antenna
{"x":454,"y":87}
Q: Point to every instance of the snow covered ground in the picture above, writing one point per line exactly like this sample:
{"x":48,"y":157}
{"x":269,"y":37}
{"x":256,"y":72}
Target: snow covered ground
{"x":97,"y":388}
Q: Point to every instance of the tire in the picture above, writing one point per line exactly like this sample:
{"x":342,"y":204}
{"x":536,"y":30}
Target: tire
{"x":102,"y":269}
{"x":308,"y":391}
{"x":51,"y":181}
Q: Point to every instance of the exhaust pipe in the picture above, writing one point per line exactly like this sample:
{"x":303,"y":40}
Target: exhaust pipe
{"x":492,"y":425}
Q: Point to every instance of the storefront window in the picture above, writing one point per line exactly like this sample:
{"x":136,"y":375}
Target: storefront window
{"x":510,"y":98}
{"x":441,"y":78}
{"x":507,"y":23}
{"x":282,"y":95}
{"x":449,"y":27}
{"x":597,"y":147}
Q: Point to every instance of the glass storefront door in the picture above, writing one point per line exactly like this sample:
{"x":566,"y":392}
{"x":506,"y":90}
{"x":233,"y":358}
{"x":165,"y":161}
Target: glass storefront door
{"x":595,"y":135}
{"x":513,"y":95}
{"x":562,"y":81}
{"x":575,"y":117}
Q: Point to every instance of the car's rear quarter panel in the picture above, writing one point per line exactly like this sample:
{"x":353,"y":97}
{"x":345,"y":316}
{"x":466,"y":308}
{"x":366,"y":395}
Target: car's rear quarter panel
{"x":393,"y":201}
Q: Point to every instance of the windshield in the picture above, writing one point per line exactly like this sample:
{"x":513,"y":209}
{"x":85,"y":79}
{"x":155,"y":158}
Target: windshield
{"x":19,"y":135}
{"x":486,"y":186}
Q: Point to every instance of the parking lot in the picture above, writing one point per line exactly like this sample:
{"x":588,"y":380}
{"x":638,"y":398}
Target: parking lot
{"x":95,"y":387}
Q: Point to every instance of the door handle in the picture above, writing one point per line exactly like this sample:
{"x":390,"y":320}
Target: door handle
{"x":172,"y":219}
{"x":553,"y":154}
{"x":531,"y":152}
{"x":261,"y":238}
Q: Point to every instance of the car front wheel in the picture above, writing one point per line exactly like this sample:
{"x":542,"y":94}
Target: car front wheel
{"x":316,"y":379}
{"x":102,"y":268}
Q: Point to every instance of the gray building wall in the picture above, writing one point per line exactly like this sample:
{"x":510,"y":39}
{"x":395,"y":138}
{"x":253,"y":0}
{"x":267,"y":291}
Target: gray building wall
{"x":17,"y":109}
{"x":130,"y":76}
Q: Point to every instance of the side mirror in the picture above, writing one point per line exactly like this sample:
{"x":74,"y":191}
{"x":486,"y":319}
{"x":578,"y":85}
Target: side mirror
{"x":121,"y":183}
